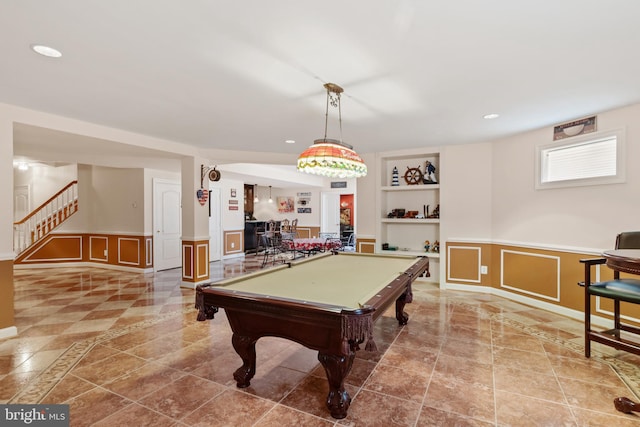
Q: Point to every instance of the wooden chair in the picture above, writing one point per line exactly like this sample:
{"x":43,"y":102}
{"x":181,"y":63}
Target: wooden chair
{"x":627,"y":290}
{"x":293,"y":228}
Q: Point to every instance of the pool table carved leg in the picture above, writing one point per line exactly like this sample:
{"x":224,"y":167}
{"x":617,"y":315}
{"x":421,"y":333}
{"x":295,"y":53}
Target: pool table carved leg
{"x":246,"y":349}
{"x":337,"y":368}
{"x":626,"y":405}
{"x":403,"y":318}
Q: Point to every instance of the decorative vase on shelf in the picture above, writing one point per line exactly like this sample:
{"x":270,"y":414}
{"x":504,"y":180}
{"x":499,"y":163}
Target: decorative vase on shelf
{"x":394,"y":177}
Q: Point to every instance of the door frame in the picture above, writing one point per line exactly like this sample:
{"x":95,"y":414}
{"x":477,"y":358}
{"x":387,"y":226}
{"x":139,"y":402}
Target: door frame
{"x":215,"y":224}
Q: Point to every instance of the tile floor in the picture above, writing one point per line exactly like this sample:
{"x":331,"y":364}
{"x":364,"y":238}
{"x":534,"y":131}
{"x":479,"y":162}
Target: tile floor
{"x":125,"y":349}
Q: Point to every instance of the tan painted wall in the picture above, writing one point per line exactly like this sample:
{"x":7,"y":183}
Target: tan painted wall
{"x":133,"y":251}
{"x":233,"y":242}
{"x":545,"y":275}
{"x":6,"y":294}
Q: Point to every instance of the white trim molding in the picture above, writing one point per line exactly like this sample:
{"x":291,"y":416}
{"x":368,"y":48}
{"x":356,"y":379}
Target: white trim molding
{"x":477,"y":248}
{"x":9,"y":332}
{"x":535,"y":255}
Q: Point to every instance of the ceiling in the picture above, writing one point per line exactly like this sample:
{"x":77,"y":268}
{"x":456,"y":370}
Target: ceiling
{"x":249,"y":75}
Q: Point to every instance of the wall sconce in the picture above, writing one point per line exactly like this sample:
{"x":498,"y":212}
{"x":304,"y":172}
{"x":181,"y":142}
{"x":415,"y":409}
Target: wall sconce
{"x":270,"y":199}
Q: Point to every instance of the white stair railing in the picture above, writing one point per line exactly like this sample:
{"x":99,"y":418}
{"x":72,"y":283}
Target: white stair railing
{"x":45,"y":218}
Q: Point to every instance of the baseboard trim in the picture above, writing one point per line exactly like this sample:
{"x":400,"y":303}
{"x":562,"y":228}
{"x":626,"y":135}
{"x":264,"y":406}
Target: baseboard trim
{"x":193,"y":285}
{"x":83,"y":264}
{"x":9,"y":332}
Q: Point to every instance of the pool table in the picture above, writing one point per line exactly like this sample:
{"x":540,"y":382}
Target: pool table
{"x":326,"y":302}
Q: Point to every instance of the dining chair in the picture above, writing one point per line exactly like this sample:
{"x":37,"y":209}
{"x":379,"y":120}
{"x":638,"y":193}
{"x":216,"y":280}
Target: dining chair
{"x":619,"y":290}
{"x":276,"y":249}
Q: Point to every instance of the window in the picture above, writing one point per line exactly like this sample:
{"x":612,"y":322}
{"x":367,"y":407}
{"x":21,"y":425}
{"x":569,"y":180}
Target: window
{"x":592,"y":159}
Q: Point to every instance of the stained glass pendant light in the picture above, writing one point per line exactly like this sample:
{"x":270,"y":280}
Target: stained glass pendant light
{"x":330,"y":157}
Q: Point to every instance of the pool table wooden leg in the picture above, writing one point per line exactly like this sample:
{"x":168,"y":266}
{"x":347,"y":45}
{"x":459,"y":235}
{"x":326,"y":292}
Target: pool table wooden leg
{"x":337,"y":368}
{"x":246,"y":349}
{"x":403,"y":318}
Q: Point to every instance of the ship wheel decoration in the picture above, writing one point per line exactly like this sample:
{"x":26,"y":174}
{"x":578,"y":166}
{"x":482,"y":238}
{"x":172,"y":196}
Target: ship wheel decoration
{"x":413,"y":176}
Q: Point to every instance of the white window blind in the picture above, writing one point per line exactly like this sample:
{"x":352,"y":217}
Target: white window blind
{"x":590,"y":159}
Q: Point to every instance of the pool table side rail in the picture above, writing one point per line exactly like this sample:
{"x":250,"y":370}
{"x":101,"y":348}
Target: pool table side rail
{"x":208,"y":294}
{"x":334,"y":328}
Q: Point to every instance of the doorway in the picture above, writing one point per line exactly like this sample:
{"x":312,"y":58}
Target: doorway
{"x":167,"y":224}
{"x":338,"y":214}
{"x":347,"y":216}
{"x":330,"y":222}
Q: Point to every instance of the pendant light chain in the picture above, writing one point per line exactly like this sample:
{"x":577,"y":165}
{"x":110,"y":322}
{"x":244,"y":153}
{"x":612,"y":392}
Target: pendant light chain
{"x":340,"y":115}
{"x":326,"y":114}
{"x":333,"y":98}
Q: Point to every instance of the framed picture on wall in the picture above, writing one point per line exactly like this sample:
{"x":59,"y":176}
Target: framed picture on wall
{"x":285,"y":204}
{"x":233,"y":192}
{"x":345,"y":216}
{"x":575,"y":128}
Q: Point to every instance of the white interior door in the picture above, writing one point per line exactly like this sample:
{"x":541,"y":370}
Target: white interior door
{"x":215,"y":241}
{"x":21,"y":202}
{"x":21,"y":208}
{"x":330,"y":221}
{"x":167,"y":224}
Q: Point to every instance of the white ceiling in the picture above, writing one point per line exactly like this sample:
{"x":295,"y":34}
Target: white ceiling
{"x":247,"y":75}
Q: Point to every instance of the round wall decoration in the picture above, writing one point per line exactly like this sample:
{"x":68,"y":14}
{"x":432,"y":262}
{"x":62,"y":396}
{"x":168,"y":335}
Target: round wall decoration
{"x":214,"y":175}
{"x":413,"y":176}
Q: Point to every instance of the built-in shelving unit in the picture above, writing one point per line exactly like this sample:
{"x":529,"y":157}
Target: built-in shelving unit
{"x":407,"y":234}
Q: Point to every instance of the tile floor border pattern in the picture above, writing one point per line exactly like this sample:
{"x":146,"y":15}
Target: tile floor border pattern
{"x":41,"y":385}
{"x":37,"y":389}
{"x":627,"y":372}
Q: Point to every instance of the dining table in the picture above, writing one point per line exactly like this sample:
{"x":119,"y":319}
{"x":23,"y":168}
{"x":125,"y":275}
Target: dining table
{"x":624,"y":260}
{"x":311,"y":245}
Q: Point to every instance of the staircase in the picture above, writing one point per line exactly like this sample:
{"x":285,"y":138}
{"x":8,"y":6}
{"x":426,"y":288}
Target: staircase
{"x":44,"y":219}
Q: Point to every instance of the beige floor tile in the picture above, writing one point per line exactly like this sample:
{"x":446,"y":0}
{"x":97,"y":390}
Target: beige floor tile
{"x":123,"y":347}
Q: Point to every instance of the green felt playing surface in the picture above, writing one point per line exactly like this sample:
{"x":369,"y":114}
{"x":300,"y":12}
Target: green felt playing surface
{"x":346,"y":280}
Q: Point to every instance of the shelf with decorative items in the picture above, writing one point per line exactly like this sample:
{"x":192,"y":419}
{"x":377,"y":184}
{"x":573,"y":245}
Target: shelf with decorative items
{"x":408,"y":204}
{"x":431,"y":187}
{"x":411,"y":220}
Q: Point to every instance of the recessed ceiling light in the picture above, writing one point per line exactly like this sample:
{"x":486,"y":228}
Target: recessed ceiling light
{"x":46,"y":51}
{"x":290,"y":141}
{"x":491,"y":116}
